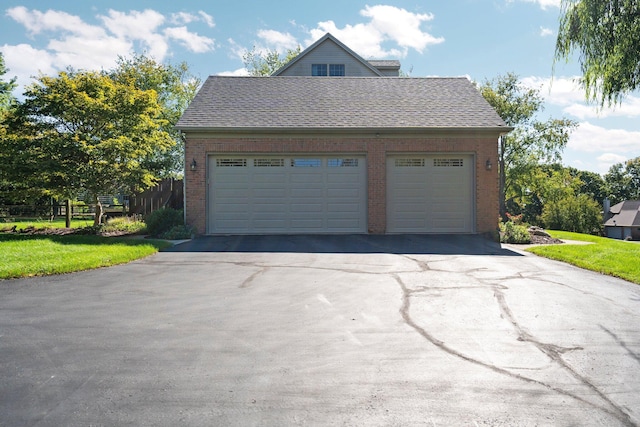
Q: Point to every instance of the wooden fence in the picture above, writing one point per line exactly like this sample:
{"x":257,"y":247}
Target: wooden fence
{"x":167,"y":194}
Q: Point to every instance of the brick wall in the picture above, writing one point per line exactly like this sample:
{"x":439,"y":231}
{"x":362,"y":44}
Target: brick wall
{"x":375,"y":148}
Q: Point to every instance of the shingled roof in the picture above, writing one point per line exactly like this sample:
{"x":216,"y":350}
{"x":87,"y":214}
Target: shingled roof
{"x":253,"y":103}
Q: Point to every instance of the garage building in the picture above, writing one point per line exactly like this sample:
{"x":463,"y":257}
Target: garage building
{"x":345,"y":148}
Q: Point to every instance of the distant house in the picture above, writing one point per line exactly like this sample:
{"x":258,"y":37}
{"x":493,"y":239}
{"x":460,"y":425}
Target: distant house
{"x":334,"y":143}
{"x":622,"y":221}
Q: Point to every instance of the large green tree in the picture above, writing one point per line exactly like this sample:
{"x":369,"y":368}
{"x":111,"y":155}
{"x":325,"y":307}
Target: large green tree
{"x":606,"y":35}
{"x":175,"y":87}
{"x":6,"y":87}
{"x":622,"y":181}
{"x":532,"y":142}
{"x":84,"y":133}
{"x":266,"y":63}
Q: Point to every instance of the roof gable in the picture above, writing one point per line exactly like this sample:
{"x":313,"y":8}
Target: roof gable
{"x":323,"y":42}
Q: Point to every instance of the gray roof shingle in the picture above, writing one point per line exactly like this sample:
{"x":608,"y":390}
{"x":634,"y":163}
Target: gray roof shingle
{"x":338,"y":103}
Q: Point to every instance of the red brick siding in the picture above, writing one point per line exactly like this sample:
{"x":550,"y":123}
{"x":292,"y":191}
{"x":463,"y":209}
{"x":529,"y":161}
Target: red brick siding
{"x":375,"y":149}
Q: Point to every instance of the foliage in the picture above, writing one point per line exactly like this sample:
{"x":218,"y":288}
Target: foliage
{"x":175,"y":87}
{"x":268,"y":62}
{"x":592,"y":184}
{"x":83,"y":132}
{"x":532,"y":142}
{"x":607,"y":256}
{"x":163,"y":220}
{"x":510,"y":232}
{"x":606,"y":33}
{"x":622,"y":181}
{"x":25,"y":256}
{"x":178,"y":232}
{"x":6,"y":88}
{"x":575,"y":213}
{"x":124,"y":224}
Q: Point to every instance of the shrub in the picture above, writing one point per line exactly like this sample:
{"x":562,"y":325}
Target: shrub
{"x":127,"y":224}
{"x":163,"y":220}
{"x":178,"y":232}
{"x":579,"y":214}
{"x":511,"y":232}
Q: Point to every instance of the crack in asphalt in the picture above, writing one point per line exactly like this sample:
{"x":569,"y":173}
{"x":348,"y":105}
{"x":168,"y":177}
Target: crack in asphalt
{"x":554,"y":352}
{"x":621,"y":344}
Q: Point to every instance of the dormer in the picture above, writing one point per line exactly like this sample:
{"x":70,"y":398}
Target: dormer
{"x":330,"y":57}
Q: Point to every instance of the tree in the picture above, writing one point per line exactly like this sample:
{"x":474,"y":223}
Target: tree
{"x":266,"y":63}
{"x":6,"y":104}
{"x":175,"y":87}
{"x":622,"y":181}
{"x":82,"y":132}
{"x":6,"y":88}
{"x":606,"y":33}
{"x":532,"y":142}
{"x":592,"y":184}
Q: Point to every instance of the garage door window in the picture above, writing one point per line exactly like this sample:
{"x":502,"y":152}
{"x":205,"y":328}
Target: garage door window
{"x":456,"y":163}
{"x":306,"y":163}
{"x":337,"y":163}
{"x":409,"y":163}
{"x":268,"y":163}
{"x":221,"y":163}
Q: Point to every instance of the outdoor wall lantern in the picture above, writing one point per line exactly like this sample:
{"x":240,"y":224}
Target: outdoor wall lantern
{"x":487,"y":165}
{"x":194,"y":165}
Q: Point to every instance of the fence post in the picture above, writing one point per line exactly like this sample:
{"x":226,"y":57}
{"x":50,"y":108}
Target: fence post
{"x":67,"y":213}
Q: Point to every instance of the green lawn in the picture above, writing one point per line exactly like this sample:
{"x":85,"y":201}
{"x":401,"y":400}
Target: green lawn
{"x":43,"y":223}
{"x":608,"y":256}
{"x":37,"y":255}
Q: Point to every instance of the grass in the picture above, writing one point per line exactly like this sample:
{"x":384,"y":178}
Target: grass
{"x":37,"y":255}
{"x":44,"y":223}
{"x":607,"y":256}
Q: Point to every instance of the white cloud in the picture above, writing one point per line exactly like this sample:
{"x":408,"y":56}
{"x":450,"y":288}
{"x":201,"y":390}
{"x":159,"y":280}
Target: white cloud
{"x":606,"y":160}
{"x":278,"y":40}
{"x":242,"y":72}
{"x":545,"y":32}
{"x":207,"y":19}
{"x":37,"y":22}
{"x":593,"y":139}
{"x":182,"y":18}
{"x":567,"y":93}
{"x":544,"y":4}
{"x":630,"y":108}
{"x":71,"y":42}
{"x":24,"y":62}
{"x":386,"y":24}
{"x":192,"y":41}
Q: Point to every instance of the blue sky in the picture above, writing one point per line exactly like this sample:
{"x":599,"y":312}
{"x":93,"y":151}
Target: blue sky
{"x":480,"y":39}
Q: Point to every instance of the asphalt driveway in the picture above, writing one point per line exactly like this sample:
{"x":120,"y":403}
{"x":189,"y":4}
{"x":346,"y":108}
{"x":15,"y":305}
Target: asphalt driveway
{"x":333,"y":330}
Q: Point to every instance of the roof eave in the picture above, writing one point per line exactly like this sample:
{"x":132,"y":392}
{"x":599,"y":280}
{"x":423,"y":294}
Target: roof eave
{"x":378,"y":132}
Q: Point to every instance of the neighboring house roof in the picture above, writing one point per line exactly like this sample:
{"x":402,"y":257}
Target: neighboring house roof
{"x":624,"y":214}
{"x":253,"y":103}
{"x":323,"y":39}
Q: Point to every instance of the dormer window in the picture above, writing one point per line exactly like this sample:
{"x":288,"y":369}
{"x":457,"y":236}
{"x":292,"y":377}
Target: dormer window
{"x":334,"y":70}
{"x":319,"y":69}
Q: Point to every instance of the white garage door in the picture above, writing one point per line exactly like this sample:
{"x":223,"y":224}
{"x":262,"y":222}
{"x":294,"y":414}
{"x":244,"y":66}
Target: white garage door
{"x":302,"y":194}
{"x":430,"y":194}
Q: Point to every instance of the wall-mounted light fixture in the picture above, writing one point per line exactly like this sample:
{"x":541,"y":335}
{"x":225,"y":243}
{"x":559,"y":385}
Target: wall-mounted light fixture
{"x":488,"y":165}
{"x":193,"y":165}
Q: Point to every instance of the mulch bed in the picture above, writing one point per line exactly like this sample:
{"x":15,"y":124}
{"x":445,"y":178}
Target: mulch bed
{"x":41,"y":231}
